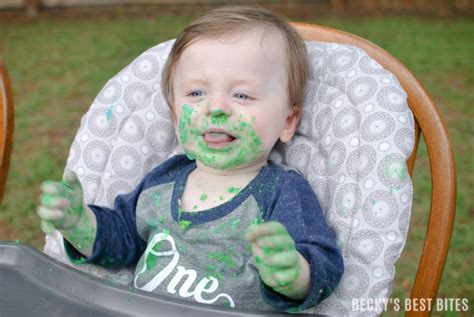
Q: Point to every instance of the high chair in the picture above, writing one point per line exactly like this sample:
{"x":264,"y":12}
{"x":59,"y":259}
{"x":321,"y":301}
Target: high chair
{"x":427,"y":121}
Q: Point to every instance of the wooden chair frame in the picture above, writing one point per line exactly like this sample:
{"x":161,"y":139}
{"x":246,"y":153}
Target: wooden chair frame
{"x":440,"y":152}
{"x":7,"y":119}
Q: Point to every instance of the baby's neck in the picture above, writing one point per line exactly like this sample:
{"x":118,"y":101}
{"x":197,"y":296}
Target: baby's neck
{"x":205,"y":171}
{"x":206,"y":187}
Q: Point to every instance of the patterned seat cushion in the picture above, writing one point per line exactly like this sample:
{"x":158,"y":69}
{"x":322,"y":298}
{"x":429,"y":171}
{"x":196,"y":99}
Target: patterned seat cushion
{"x":355,"y":136}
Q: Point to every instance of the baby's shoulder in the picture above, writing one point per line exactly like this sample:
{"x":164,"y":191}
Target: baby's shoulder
{"x":286,"y":176}
{"x":285,"y":182}
{"x":169,"y":170}
{"x":289,"y":190}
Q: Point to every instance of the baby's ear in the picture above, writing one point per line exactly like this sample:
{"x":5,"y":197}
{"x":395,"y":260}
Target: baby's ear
{"x":291,"y":124}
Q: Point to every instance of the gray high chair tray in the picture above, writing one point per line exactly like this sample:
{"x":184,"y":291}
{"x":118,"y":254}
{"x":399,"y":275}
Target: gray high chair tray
{"x":33,"y":284}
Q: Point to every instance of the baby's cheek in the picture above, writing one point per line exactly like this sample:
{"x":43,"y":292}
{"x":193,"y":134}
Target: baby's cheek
{"x":184,"y":123}
{"x":264,"y":138}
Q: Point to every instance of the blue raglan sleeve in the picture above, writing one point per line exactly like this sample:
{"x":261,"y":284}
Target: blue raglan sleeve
{"x":297,"y":208}
{"x":118,"y":243}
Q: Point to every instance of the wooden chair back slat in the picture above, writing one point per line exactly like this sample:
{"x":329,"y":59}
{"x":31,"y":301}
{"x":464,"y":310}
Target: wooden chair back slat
{"x":440,"y":153}
{"x":6,"y":126}
{"x":412,"y":158}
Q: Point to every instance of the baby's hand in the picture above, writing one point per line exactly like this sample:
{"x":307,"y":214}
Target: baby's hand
{"x":61,"y":204}
{"x":278,"y":261}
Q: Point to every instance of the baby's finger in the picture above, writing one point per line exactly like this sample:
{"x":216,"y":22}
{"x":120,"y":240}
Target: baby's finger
{"x":276,"y":242}
{"x":70,"y":180}
{"x":51,"y":187}
{"x":47,"y":227}
{"x":286,"y":277}
{"x":52,"y":201}
{"x":267,"y":228}
{"x":49,"y":214}
{"x":258,"y":255}
{"x":267,"y":277}
{"x":256,"y":251}
{"x":281,"y":259}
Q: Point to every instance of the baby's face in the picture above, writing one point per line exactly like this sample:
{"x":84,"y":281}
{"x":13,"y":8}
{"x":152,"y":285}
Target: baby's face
{"x":231,"y":99}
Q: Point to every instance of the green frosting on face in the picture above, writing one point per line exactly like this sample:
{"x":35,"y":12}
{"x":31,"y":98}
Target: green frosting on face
{"x":219,"y":118}
{"x":246,"y":148}
{"x":184,"y":123}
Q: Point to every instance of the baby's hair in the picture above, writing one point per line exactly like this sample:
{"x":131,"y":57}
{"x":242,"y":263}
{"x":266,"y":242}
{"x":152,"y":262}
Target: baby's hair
{"x":236,"y":19}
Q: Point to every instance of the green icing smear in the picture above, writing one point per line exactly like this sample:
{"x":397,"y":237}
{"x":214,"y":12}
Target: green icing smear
{"x":82,"y":235}
{"x":222,"y":257}
{"x":396,"y":171}
{"x":212,"y":270}
{"x":245,"y":149}
{"x":150,"y":261}
{"x":203,"y":197}
{"x":234,"y":224}
{"x":184,"y":123}
{"x":233,"y":190}
{"x":78,"y":261}
{"x":258,"y":220}
{"x":47,"y":200}
{"x":219,"y":118}
{"x":109,"y":113}
{"x":185,"y":224}
{"x":157,"y":200}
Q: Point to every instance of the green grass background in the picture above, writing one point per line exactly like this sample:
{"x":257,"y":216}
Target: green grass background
{"x":57,"y":68}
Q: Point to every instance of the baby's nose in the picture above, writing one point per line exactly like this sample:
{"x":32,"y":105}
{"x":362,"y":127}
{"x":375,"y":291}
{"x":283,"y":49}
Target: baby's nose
{"x":219,"y":117}
{"x":219,"y":105}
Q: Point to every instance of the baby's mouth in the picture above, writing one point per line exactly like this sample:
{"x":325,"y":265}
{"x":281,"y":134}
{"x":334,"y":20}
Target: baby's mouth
{"x":218,"y":138}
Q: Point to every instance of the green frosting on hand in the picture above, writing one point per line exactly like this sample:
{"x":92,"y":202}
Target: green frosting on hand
{"x":62,"y":207}
{"x":82,"y":235}
{"x":276,"y":258}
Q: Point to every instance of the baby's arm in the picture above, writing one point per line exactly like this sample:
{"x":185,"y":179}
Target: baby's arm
{"x":280,"y":265}
{"x":62,"y":207}
{"x":304,"y":243}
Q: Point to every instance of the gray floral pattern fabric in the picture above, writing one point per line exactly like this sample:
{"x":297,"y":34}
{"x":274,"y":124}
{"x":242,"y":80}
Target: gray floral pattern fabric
{"x":352,"y":145}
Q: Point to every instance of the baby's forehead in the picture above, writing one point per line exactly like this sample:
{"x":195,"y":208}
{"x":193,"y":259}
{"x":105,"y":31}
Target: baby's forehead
{"x":260,"y":37}
{"x":251,"y":48}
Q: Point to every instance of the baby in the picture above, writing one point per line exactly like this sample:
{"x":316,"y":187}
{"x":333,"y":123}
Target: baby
{"x":221,"y":224}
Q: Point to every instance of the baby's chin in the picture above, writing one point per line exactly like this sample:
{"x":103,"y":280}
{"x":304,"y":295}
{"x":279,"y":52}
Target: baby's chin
{"x":229,"y":163}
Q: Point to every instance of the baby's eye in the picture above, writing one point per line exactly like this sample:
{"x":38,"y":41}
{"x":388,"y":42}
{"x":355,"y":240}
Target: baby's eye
{"x":197,"y":93}
{"x":242,"y":96}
